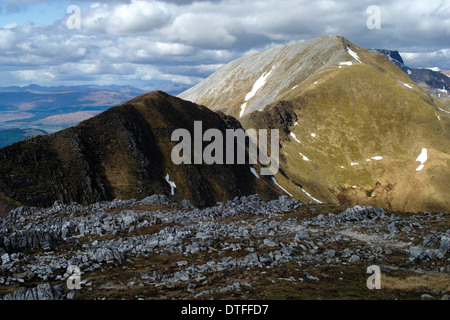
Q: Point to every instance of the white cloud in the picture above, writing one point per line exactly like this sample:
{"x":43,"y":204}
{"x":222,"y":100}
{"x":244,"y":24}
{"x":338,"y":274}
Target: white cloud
{"x":33,"y":75}
{"x":199,"y":29}
{"x":7,"y":39}
{"x":180,"y":79}
{"x":426,"y":59}
{"x":126,"y":19}
{"x":11,"y":25}
{"x":179,"y":42}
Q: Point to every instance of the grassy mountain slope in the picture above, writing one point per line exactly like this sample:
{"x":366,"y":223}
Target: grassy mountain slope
{"x":353,"y":124}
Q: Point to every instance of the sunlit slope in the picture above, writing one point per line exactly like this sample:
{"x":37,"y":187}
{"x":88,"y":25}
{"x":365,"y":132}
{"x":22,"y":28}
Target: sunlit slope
{"x":355,"y":147}
{"x":266,"y":74}
{"x":352,"y":126}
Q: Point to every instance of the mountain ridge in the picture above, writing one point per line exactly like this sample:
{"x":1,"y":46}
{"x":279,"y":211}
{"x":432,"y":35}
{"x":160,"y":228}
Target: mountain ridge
{"x":354,"y":129}
{"x":351,"y":105}
{"x":123,"y":152}
{"x":434,"y":82}
{"x":268,"y":63}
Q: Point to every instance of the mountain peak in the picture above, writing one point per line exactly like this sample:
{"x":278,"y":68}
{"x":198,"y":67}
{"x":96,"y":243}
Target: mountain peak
{"x":352,"y":123}
{"x":393,"y":55}
{"x":124,"y":152}
{"x":253,"y":82}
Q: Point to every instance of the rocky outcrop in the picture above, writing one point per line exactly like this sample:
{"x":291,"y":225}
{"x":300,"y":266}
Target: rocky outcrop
{"x":41,"y":292}
{"x":243,"y":235}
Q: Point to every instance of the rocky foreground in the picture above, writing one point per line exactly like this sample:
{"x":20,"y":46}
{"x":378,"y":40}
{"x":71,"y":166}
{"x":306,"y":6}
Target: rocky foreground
{"x":246,"y":248}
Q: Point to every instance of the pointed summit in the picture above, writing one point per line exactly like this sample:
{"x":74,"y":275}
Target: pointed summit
{"x":124,"y":152}
{"x":352,"y":123}
{"x":254,"y":81}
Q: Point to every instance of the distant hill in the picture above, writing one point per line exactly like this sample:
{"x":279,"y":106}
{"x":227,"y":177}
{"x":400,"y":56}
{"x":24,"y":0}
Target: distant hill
{"x":437,"y":83}
{"x":446,"y":72}
{"x":13,"y":135}
{"x":55,"y":108}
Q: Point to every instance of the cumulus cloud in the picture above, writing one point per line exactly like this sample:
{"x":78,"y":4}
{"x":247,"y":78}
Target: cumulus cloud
{"x":177,"y":43}
{"x":7,"y":38}
{"x":33,"y":75}
{"x":201,"y":29}
{"x":427,"y":59}
{"x":126,"y":18}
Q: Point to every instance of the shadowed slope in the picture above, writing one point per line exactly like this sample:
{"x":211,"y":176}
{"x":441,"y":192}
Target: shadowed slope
{"x":124,"y":152}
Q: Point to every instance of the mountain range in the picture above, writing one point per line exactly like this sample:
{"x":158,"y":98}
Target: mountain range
{"x":37,"y":109}
{"x":436,"y":83}
{"x":354,"y":129}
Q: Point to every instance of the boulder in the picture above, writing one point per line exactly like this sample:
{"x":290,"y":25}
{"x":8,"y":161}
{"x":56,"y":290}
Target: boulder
{"x":445,"y":245}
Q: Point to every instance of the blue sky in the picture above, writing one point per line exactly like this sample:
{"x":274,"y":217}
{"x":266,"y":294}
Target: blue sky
{"x":175,"y":44}
{"x":40,"y":13}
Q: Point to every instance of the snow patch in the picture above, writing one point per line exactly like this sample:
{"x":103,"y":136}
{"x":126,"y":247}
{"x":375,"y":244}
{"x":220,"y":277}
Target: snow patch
{"x":409,"y":71}
{"x":407,"y":85}
{"x":315,"y":82}
{"x":242,"y":109}
{"x":443,"y":110}
{"x":310,"y":196}
{"x":348,"y":63}
{"x":258,"y":85}
{"x":442,"y":90}
{"x":377,"y":158}
{"x":304,"y":157}
{"x":422,"y":158}
{"x":172,"y":184}
{"x":354,"y":164}
{"x":439,"y":118}
{"x":294,"y":87}
{"x":296,"y":124}
{"x":353,"y":54}
{"x":293,"y":136}
{"x":276,"y":182}
{"x":254,"y":172}
{"x":342,"y":167}
{"x":313,"y":135}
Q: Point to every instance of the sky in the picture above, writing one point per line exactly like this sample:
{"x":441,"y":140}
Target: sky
{"x":172,"y":45}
